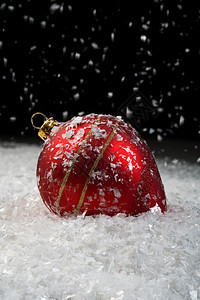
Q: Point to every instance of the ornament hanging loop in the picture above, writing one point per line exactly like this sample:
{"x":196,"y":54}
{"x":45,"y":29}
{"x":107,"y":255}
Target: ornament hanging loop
{"x":35,"y":114}
{"x":45,"y":129}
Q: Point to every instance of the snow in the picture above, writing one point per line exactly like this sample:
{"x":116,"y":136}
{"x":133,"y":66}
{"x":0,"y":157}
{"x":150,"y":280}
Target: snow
{"x":143,"y":38}
{"x":110,"y":95}
{"x":76,"y":96}
{"x":152,"y":256}
{"x":95,"y":46}
{"x":54,"y":7}
{"x":43,"y":24}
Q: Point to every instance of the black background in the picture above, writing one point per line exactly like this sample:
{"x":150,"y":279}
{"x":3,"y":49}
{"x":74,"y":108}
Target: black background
{"x":62,"y":56}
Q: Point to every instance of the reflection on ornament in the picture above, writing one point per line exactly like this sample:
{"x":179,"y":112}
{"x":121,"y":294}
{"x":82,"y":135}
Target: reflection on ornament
{"x":97,"y":164}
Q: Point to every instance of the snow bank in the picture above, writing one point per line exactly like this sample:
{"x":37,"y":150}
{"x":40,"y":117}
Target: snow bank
{"x":152,"y":256}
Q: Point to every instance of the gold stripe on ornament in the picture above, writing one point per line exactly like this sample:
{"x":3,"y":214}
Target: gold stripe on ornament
{"x":71,"y":167}
{"x":95,"y":165}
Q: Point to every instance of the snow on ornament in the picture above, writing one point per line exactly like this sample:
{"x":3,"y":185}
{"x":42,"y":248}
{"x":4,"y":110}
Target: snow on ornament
{"x":97,"y":164}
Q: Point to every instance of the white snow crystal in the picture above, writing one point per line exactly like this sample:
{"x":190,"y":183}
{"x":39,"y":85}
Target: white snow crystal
{"x":117,"y":192}
{"x":113,"y":166}
{"x":151,"y":130}
{"x":119,"y":137}
{"x":77,"y":55}
{"x":75,"y":121}
{"x":31,"y":20}
{"x":97,"y":71}
{"x":11,"y":8}
{"x":99,"y":133}
{"x":65,"y":115}
{"x":13,"y":119}
{"x":101,"y":192}
{"x":95,"y":46}
{"x":80,"y":134}
{"x":54,"y":7}
{"x":90,"y":63}
{"x":145,"y":26}
{"x":193,"y":295}
{"x":129,"y":113}
{"x":76,"y":96}
{"x":181,"y":120}
{"x":109,"y":94}
{"x":143,"y":38}
{"x":128,"y":150}
{"x":69,"y":134}
{"x":5,"y":61}
{"x":130,"y":165}
{"x":175,"y":161}
{"x":156,"y":208}
{"x":69,"y":7}
{"x":81,"y":113}
{"x":159,"y":138}
{"x":49,"y":175}
{"x":43,"y":24}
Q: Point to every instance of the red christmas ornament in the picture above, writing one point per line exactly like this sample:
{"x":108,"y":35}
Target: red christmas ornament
{"x":97,"y":164}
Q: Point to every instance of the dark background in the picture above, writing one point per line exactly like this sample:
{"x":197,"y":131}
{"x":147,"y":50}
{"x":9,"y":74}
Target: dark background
{"x":65,"y":58}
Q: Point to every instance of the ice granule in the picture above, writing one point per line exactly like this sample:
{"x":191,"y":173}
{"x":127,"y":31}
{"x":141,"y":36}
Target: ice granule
{"x":54,"y":7}
{"x":43,"y":24}
{"x":109,"y":94}
{"x":181,"y":120}
{"x":76,"y":96}
{"x":13,"y":119}
{"x":117,"y":192}
{"x":98,"y":132}
{"x":193,"y":295}
{"x":119,"y":137}
{"x":95,"y":46}
{"x":11,"y":8}
{"x":80,"y":134}
{"x":143,"y":38}
{"x":130,"y":165}
{"x":75,"y":121}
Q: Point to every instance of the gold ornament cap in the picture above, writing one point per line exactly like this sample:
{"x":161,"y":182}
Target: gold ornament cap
{"x":45,"y":129}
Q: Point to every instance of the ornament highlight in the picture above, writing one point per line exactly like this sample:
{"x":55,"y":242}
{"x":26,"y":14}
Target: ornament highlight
{"x":97,"y":164}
